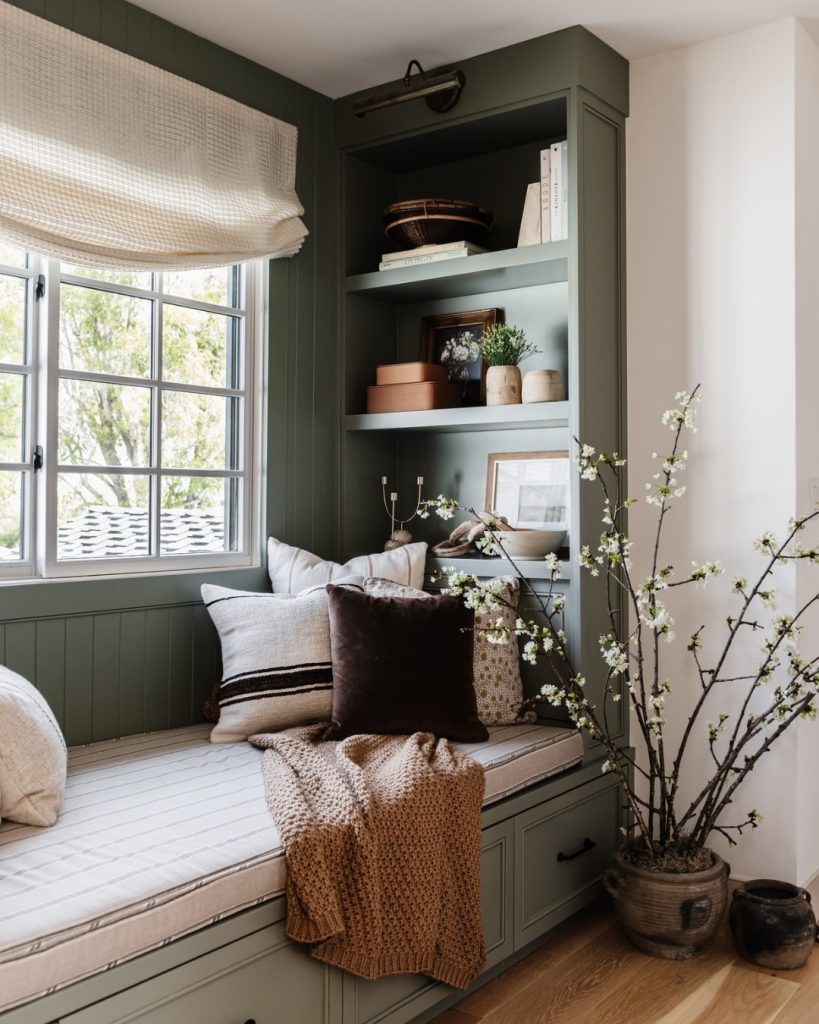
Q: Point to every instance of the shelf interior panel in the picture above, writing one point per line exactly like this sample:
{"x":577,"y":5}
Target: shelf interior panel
{"x":471,"y":275}
{"x":531,"y":122}
{"x":490,"y":567}
{"x":472,"y":418}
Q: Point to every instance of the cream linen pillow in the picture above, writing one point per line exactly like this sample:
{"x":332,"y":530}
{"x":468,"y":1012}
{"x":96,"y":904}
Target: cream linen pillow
{"x":292,"y":569}
{"x":33,"y":756}
{"x":496,"y":667}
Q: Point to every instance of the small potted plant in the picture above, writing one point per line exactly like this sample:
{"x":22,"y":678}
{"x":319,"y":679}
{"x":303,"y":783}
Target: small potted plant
{"x":669,"y":887}
{"x":503,"y":347}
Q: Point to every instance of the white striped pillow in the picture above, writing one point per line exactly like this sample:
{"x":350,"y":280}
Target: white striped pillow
{"x":292,"y":569}
{"x":276,"y":670}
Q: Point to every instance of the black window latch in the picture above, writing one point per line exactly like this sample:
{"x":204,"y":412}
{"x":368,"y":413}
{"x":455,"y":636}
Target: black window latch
{"x":37,"y":458}
{"x":39,"y":287}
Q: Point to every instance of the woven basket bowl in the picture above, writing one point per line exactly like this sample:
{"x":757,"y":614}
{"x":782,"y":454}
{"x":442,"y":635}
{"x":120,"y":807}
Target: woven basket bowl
{"x":415,"y":222}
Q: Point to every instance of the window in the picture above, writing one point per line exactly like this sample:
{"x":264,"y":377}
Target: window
{"x":126,"y":418}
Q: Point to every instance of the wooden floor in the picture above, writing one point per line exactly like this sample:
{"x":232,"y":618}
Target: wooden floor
{"x":590,"y":974}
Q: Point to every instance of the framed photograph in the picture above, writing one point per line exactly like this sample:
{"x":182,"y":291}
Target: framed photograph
{"x":531,"y":489}
{"x":451,"y":339}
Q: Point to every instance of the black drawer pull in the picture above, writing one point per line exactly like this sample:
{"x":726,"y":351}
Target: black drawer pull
{"x":250,"y":1022}
{"x":588,"y":844}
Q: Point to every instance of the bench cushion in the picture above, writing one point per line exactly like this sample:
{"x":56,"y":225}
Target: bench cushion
{"x":165,"y":833}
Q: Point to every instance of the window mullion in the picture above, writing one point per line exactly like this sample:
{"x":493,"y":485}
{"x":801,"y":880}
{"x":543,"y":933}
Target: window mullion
{"x":28,"y":538}
{"x":156,"y":423}
{"x":47,"y":376}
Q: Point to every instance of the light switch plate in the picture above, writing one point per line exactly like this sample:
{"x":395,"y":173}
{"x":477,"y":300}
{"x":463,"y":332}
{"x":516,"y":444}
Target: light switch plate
{"x":813,"y":493}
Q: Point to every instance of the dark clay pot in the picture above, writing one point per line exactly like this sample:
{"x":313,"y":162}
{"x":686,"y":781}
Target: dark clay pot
{"x":668,"y":915}
{"x":773,"y":923}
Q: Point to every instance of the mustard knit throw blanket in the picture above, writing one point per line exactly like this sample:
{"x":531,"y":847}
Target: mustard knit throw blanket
{"x":382,"y":839}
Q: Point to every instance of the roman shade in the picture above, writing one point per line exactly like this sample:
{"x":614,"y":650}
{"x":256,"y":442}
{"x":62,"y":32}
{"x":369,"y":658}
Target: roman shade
{"x":108,"y":161}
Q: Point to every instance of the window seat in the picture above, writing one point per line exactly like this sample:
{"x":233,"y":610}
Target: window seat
{"x":165,"y":833}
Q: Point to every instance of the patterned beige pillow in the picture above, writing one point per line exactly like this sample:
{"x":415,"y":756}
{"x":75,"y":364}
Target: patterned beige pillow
{"x":496,"y":667}
{"x":33,"y":757}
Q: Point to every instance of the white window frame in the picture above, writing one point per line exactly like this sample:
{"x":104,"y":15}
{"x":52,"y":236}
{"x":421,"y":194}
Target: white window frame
{"x":41,"y":428}
{"x":24,"y":566}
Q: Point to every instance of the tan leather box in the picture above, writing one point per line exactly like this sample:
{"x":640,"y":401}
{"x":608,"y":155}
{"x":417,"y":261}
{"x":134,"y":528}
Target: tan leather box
{"x":411,"y":373}
{"x":411,"y":397}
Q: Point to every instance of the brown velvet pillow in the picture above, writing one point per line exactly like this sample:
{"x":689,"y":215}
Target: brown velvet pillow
{"x":402,"y":666}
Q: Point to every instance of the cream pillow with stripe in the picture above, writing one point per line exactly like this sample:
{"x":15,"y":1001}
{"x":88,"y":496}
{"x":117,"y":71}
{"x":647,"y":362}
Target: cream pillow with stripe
{"x":33,"y":756}
{"x":293,"y":569}
{"x":276,"y":670}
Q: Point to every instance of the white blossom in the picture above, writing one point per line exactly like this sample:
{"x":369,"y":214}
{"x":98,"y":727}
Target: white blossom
{"x":766,"y":543}
{"x":586,"y":561}
{"x":614,"y":654}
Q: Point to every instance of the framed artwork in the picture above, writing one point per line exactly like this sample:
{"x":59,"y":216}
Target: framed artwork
{"x":451,"y":339}
{"x":531,"y":489}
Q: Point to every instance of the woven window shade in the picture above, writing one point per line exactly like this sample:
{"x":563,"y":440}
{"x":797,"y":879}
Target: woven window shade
{"x":108,"y":161}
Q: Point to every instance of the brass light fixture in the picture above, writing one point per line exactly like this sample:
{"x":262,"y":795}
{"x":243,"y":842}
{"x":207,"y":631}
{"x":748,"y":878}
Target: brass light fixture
{"x":441,"y":89}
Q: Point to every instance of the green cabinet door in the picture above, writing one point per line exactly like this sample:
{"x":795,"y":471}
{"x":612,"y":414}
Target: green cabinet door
{"x":561,"y":850}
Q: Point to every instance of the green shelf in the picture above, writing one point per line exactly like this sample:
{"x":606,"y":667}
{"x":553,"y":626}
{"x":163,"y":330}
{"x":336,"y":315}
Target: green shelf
{"x":471,"y":418}
{"x":469,"y":275}
{"x":476,"y":566}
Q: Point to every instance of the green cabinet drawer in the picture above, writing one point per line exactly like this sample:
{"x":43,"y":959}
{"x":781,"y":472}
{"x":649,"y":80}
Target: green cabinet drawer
{"x":403,"y":997}
{"x":264,"y":978}
{"x":561,"y":850}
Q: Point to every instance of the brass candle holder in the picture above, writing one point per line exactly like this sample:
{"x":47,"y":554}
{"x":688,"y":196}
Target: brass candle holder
{"x":400,"y":536}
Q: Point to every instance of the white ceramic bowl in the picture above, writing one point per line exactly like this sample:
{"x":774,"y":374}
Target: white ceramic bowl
{"x":528,"y":544}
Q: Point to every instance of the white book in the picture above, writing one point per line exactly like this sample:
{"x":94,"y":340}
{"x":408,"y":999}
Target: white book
{"x":564,"y":163}
{"x":545,"y":179}
{"x":530,"y":229}
{"x":556,"y":193}
{"x":426,"y":257}
{"x":423,"y":250}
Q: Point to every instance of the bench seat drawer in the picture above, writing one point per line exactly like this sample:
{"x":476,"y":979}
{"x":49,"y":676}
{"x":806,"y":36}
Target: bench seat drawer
{"x":561,"y":851}
{"x":264,"y":978}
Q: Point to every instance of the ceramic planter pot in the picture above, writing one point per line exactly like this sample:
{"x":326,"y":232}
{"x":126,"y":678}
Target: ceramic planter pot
{"x":503,"y":385}
{"x":773,"y":923}
{"x":673,"y":916}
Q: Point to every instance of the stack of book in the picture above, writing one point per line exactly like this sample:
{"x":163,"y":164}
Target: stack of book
{"x":428,"y":254}
{"x":546,"y":209}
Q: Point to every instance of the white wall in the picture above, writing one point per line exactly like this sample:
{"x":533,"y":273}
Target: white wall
{"x":807,"y":405}
{"x":716,"y":216}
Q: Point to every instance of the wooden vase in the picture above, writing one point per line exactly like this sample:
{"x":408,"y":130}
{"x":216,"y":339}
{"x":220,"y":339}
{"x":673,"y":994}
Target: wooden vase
{"x":673,"y":916}
{"x":543,"y":386}
{"x":503,"y":385}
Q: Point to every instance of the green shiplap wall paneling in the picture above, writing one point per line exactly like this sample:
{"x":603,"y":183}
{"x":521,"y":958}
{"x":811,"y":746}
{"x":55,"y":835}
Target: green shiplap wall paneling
{"x":118,"y":673}
{"x":157,"y":668}
{"x":116,"y":657}
{"x":180,"y":659}
{"x":50,"y":653}
{"x":79,"y":679}
{"x":105,"y":676}
{"x":20,"y":653}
